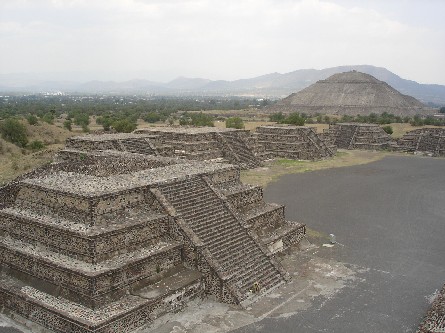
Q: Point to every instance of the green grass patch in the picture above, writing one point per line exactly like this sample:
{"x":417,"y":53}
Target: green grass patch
{"x":287,"y":162}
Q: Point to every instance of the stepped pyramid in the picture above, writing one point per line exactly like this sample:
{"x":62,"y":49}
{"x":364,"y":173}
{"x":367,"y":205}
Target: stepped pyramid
{"x":200,"y":143}
{"x":357,"y":136}
{"x":106,"y":241}
{"x":294,"y":142}
{"x":428,"y":141}
{"x":351,"y":93}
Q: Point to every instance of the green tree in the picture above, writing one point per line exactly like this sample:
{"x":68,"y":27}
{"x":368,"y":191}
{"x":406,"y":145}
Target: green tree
{"x":234,"y":122}
{"x":81,"y":119}
{"x":14,"y":131}
{"x":32,"y":119}
{"x":294,"y":119}
{"x":124,"y":126}
{"x":277,"y":117}
{"x":68,"y":124}
{"x":152,"y":117}
{"x":442,"y":109}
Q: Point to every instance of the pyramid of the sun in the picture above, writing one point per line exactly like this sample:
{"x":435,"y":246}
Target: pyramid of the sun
{"x":107,"y":241}
{"x":350,"y":93}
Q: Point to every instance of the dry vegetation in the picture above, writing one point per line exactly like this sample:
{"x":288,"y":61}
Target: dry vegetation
{"x":15,"y":161}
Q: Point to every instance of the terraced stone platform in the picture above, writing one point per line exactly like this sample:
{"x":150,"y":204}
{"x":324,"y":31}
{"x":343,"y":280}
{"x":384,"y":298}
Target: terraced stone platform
{"x":358,"y":136}
{"x":107,"y":241}
{"x":293,"y":142}
{"x":427,"y":141}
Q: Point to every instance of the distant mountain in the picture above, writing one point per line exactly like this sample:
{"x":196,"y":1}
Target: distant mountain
{"x":274,"y":85}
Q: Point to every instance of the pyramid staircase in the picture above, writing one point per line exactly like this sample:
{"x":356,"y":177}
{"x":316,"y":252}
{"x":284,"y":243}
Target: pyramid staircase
{"x":358,"y":136}
{"x":237,"y":150}
{"x":138,"y":145}
{"x":231,"y":246}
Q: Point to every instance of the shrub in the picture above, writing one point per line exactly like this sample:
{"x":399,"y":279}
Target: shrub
{"x":68,"y":125}
{"x":196,"y":119}
{"x":388,"y":129}
{"x":124,"y":126}
{"x":152,"y":117}
{"x":36,"y":145}
{"x":32,"y":119}
{"x":81,"y":119}
{"x":48,"y":118}
{"x":277,"y":117}
{"x":105,"y":121}
{"x":234,"y":122}
{"x":294,"y":119}
{"x":13,"y":131}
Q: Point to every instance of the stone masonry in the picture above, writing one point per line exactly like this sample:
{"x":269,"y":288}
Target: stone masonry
{"x":428,"y":141}
{"x":106,"y":241}
{"x":293,"y":142}
{"x":434,"y":321}
{"x":358,"y":136}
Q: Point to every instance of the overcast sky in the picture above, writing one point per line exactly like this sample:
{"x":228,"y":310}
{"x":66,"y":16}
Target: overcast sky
{"x":220,"y":39}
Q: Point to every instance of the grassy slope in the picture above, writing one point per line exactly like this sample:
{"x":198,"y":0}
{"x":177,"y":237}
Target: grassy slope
{"x":15,"y":161}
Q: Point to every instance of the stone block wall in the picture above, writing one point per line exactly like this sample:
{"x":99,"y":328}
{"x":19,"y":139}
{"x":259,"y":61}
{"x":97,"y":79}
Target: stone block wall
{"x":434,"y":320}
{"x":294,"y":142}
{"x":358,"y":136}
{"x":427,"y":141}
{"x":82,"y":243}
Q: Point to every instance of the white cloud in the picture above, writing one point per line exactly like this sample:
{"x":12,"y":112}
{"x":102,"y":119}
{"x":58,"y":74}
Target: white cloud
{"x":225,"y":39}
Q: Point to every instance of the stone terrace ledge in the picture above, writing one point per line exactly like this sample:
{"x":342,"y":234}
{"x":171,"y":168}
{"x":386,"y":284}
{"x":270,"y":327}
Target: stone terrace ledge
{"x":114,"y":136}
{"x":92,"y":186}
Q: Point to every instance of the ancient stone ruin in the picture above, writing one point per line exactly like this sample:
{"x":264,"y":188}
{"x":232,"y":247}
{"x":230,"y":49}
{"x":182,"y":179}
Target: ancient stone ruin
{"x":351,"y":93}
{"x":434,"y":321}
{"x":237,"y":147}
{"x":207,"y":143}
{"x":428,"y":141}
{"x":358,"y":136}
{"x":293,"y":142}
{"x":201,"y":143}
{"x":107,"y":241}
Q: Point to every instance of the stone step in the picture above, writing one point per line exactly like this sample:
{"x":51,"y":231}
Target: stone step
{"x":213,"y":234}
{"x":90,"y":244}
{"x":223,"y":246}
{"x":89,"y":280}
{"x":218,"y":223}
{"x":125,"y":315}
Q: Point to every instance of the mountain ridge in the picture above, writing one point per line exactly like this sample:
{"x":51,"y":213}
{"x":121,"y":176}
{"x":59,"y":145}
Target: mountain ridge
{"x":272,"y":85}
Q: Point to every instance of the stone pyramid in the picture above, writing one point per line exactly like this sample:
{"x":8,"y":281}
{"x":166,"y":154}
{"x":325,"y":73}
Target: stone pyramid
{"x":351,"y":93}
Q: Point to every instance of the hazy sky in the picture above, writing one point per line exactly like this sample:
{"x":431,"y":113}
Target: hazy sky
{"x":220,"y":39}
